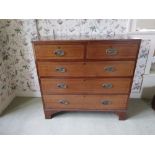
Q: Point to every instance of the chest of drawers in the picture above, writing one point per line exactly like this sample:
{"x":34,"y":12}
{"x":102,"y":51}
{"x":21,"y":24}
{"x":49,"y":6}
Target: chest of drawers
{"x":86,"y":75}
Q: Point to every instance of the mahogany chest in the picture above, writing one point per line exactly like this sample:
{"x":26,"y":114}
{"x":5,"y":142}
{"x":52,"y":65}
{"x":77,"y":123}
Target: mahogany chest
{"x":86,"y":75}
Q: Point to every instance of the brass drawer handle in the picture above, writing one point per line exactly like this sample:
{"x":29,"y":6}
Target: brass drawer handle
{"x":63,"y":101}
{"x":60,"y":69}
{"x":107,"y":85}
{"x":106,"y":102}
{"x":62,"y":85}
{"x":111,"y":51}
{"x":109,"y":69}
{"x":59,"y":52}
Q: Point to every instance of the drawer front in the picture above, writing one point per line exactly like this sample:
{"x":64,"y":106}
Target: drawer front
{"x":89,"y":69}
{"x":92,"y":102}
{"x":86,"y":86}
{"x":50,"y":52}
{"x":112,"y":51}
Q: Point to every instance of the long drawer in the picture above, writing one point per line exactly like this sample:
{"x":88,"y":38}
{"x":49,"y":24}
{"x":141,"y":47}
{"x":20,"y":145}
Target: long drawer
{"x":62,"y":52}
{"x":86,"y":86}
{"x":112,"y":51}
{"x":86,"y":102}
{"x":86,"y":69}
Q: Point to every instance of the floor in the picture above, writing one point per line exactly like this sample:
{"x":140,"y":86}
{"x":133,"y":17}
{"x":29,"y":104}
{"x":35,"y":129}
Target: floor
{"x":25,"y":116}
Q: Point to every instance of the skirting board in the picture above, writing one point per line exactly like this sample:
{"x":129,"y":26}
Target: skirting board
{"x":135,"y":95}
{"x":28,"y":94}
{"x":5,"y":104}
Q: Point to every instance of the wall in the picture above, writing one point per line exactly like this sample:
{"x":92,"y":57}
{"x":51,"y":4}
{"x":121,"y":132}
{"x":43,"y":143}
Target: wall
{"x":7,"y":71}
{"x":18,"y":68}
{"x":140,"y":68}
{"x":26,"y":76}
{"x":83,"y":27}
{"x":145,"y":24}
{"x":148,"y":86}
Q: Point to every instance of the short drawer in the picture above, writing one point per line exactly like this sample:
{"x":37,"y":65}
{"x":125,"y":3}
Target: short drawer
{"x":86,"y":86}
{"x":86,"y":102}
{"x":50,"y":52}
{"x":112,"y":51}
{"x":88,"y":69}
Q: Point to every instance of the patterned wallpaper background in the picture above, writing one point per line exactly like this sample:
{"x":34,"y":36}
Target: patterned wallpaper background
{"x":82,"y":27}
{"x":17,"y":68}
{"x":7,"y":71}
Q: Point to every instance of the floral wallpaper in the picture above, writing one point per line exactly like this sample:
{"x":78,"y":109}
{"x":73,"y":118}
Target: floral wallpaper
{"x":84,"y":27}
{"x":7,"y":71}
{"x":23,"y":32}
{"x":141,"y":64}
{"x":17,"y":67}
{"x":18,"y":74}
